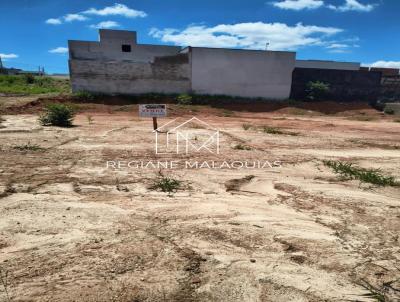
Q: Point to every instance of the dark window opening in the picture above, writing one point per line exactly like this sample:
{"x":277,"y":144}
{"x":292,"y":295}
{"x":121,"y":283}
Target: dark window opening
{"x":126,"y":48}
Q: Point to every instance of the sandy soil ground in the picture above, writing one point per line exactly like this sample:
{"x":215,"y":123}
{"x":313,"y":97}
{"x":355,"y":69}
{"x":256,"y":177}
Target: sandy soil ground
{"x":72,"y":229}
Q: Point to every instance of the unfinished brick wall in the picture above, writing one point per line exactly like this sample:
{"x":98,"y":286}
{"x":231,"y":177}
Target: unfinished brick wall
{"x":345,"y":85}
{"x":391,"y":87}
{"x":126,"y":77}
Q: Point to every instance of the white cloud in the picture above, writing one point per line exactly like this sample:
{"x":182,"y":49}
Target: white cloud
{"x":117,"y":9}
{"x":298,"y":4}
{"x":385,"y":64}
{"x":60,"y":50}
{"x":342,"y":46}
{"x":53,"y":21}
{"x":337,"y":46}
{"x":7,"y":56}
{"x":255,"y":35}
{"x":105,"y":24}
{"x":353,"y":5}
{"x":74,"y":17}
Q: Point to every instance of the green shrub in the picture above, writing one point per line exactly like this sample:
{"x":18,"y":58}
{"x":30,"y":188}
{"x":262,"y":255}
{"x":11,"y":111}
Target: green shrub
{"x":29,"y":78}
{"x":57,"y":115}
{"x":389,"y":111}
{"x":184,"y":99}
{"x":317,"y":91}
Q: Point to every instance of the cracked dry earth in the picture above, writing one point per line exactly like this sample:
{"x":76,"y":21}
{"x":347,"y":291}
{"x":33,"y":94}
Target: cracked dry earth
{"x":73,"y":230}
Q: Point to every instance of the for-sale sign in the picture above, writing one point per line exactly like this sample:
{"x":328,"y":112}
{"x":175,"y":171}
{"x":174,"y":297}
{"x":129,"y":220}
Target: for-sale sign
{"x":152,"y":110}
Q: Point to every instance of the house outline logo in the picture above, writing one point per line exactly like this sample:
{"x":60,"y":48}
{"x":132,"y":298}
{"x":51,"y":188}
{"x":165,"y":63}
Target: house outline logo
{"x":184,"y":137}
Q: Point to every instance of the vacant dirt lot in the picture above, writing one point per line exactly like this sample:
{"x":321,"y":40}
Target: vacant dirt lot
{"x":72,"y":229}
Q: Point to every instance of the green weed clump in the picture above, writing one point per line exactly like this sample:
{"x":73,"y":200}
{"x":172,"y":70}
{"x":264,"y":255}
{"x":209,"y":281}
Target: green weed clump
{"x":273,"y":130}
{"x":363,"y":118}
{"x":60,"y":115}
{"x":374,"y":293}
{"x":84,"y":96}
{"x":28,"y":147}
{"x":167,"y":185}
{"x":227,"y":113}
{"x":184,"y":99}
{"x":348,"y":171}
{"x":388,"y":111}
{"x":246,"y":126}
{"x":242,"y":147}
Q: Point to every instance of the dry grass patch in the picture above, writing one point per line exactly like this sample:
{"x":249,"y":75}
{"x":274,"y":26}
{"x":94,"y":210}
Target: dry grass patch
{"x":363,"y":118}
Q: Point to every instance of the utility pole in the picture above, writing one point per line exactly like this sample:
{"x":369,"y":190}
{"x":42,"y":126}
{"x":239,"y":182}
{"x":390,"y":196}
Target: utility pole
{"x":266,"y":45}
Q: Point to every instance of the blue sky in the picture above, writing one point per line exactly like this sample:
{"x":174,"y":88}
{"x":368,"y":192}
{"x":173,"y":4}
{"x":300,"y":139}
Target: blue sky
{"x":34,"y":32}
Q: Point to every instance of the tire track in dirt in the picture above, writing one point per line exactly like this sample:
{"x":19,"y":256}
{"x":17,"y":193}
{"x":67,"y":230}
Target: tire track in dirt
{"x":192,"y":267}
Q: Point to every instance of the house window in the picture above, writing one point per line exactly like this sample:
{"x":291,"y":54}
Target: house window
{"x":126,"y":48}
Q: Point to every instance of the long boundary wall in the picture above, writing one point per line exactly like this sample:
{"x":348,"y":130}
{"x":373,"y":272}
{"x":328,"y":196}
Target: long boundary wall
{"x":345,"y":85}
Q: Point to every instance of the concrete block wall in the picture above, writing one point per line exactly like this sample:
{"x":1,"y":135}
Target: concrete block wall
{"x":123,"y":77}
{"x":244,"y":73}
{"x":390,"y":87}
